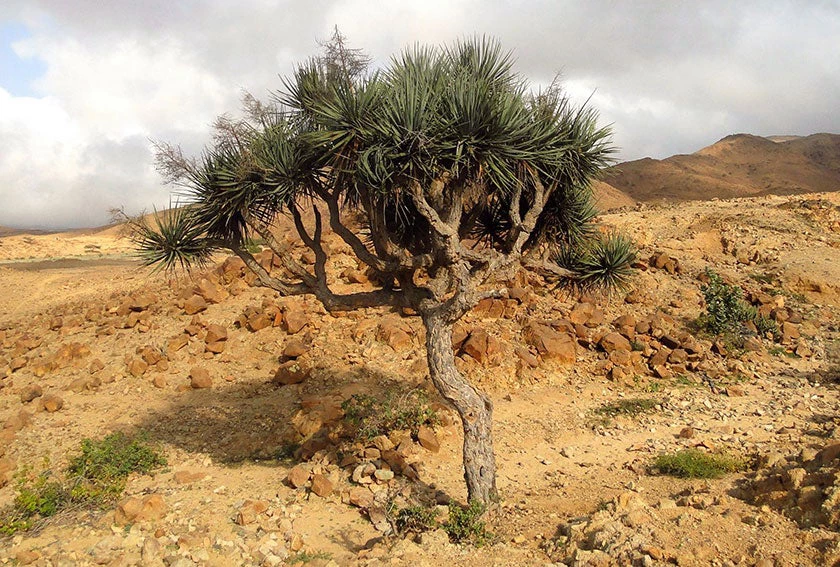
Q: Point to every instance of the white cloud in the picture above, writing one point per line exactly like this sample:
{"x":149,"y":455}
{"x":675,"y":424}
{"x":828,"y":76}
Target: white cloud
{"x":670,"y":76}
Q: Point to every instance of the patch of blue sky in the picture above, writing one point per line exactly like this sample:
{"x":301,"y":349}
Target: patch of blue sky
{"x":17,"y":74}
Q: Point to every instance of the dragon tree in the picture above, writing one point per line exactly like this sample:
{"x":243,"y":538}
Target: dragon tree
{"x":444,"y":172}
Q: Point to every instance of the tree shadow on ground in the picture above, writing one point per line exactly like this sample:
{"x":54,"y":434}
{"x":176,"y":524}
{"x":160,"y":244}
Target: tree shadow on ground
{"x":256,"y":419}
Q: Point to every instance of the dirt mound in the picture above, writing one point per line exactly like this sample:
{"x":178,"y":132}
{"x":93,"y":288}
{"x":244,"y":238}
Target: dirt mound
{"x":739,"y":165}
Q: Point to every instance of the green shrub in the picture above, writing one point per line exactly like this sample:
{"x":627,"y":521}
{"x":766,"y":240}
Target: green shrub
{"x":630,"y":407}
{"x":307,"y":557}
{"x":106,"y":464}
{"x":95,"y":476}
{"x":726,"y":311}
{"x":373,"y":416}
{"x":466,"y":526}
{"x":43,"y":497}
{"x":416,"y":519}
{"x":693,"y":463}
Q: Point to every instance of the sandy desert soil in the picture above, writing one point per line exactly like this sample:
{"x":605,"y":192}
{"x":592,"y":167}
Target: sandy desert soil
{"x":116,"y":346}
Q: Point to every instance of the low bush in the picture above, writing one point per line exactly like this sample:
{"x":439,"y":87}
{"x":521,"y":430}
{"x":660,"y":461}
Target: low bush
{"x":727,"y":313}
{"x":94,"y":477}
{"x":372,"y":416}
{"x":693,"y":463}
{"x":466,"y":526}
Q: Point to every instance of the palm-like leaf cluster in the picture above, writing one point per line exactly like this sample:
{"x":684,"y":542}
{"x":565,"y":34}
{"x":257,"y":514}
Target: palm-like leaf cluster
{"x":458,"y":121}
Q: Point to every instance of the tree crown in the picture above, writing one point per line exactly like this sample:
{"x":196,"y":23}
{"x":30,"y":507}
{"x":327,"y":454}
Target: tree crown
{"x":452,"y":171}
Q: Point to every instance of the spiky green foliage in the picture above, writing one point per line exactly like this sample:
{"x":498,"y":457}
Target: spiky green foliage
{"x":604,"y":261}
{"x":175,"y":240}
{"x":458,"y":120}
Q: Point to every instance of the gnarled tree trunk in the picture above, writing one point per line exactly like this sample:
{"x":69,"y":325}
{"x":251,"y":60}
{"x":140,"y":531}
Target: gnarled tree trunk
{"x":472,"y":405}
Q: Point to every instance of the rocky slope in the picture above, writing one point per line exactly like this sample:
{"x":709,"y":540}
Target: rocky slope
{"x":246,"y":394}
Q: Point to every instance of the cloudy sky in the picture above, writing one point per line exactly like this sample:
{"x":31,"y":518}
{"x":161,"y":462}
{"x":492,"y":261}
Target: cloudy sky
{"x":86,"y":84}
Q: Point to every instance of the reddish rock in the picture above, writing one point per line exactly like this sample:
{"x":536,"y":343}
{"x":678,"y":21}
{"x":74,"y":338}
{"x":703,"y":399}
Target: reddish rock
{"x":52,"y":403}
{"x":176,"y":343}
{"x":360,"y":496}
{"x":142,"y":301}
{"x":550,"y":343}
{"x":459,"y":336}
{"x":195,"y":304}
{"x":291,"y":372}
{"x":294,"y":321}
{"x":200,"y":378}
{"x":614,"y":341}
{"x":394,"y":335}
{"x":216,"y":348}
{"x":295,"y":348}
{"x":137,"y":367}
{"x":481,"y":346}
{"x":298,"y":476}
{"x":215,"y":333}
{"x":211,"y":291}
{"x":581,"y":313}
{"x":321,"y":485}
{"x":29,"y":393}
{"x":259,"y":321}
{"x":428,"y":439}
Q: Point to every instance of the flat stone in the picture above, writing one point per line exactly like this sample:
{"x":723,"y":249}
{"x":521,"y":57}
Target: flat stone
{"x":428,"y":439}
{"x":321,"y":485}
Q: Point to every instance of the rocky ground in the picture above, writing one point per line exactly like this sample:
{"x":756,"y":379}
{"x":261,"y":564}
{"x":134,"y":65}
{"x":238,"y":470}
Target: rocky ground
{"x":243,"y":392}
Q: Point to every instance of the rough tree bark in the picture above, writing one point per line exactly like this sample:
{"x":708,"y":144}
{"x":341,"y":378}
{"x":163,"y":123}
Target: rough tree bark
{"x":472,"y":405}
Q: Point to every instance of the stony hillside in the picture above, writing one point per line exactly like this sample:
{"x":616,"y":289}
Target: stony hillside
{"x":740,"y":165}
{"x":255,"y":402}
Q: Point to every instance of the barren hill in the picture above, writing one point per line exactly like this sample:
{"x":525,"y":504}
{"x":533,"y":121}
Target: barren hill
{"x":740,"y":165}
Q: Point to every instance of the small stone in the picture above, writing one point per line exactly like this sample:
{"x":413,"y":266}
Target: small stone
{"x":615,"y":341}
{"x":321,"y":485}
{"x":195,"y":304}
{"x":295,"y":348}
{"x":428,"y":439}
{"x":134,"y":509}
{"x":298,"y":476}
{"x":361,"y":497}
{"x":215,"y":333}
{"x":200,"y":378}
{"x":52,"y":403}
{"x":137,"y":367}
{"x":294,"y":321}
{"x":259,"y":321}
{"x":29,"y":393}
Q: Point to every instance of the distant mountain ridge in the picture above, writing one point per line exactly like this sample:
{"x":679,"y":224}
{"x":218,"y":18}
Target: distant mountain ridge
{"x":740,"y":165}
